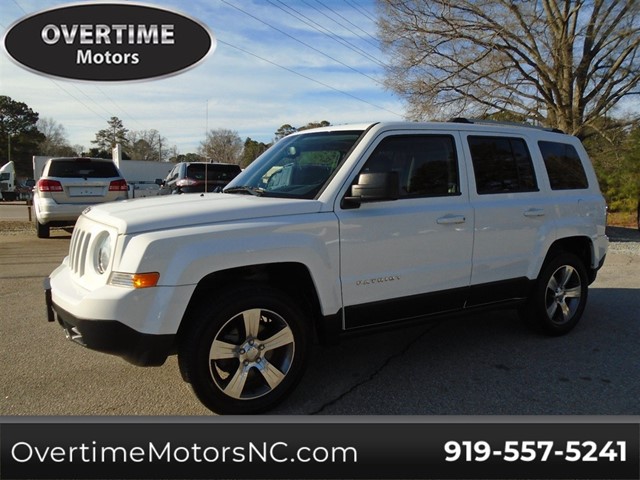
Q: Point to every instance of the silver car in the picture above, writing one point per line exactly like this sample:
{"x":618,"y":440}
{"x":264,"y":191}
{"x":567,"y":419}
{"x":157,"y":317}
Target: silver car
{"x":69,"y":185}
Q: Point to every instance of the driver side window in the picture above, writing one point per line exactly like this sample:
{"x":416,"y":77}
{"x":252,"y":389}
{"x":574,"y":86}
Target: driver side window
{"x":426,"y":165}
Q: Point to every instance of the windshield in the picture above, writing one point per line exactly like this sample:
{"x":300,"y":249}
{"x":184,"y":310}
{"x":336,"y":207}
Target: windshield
{"x":297,"y":166}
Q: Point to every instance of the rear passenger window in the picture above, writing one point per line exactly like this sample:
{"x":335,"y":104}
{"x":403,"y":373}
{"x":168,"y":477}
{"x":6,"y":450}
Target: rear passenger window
{"x":563,"y":166}
{"x":427,"y":165}
{"x":502,"y":165}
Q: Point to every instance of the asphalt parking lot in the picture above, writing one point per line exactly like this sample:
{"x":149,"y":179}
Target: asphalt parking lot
{"x":487,"y":364}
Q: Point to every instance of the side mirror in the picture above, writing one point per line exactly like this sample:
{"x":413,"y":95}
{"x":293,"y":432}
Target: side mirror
{"x":373,"y":187}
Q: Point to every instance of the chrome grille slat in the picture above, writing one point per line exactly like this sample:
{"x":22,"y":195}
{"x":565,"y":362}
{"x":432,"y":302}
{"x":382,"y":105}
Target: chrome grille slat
{"x":83,"y":253}
{"x":74,"y":242}
{"x":76,"y":254}
{"x":78,"y":251}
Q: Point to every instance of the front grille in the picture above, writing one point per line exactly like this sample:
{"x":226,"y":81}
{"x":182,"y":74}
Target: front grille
{"x":78,"y":251}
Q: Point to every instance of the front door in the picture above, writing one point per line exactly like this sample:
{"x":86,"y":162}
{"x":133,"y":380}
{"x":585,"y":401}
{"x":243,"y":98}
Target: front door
{"x":408,"y":257}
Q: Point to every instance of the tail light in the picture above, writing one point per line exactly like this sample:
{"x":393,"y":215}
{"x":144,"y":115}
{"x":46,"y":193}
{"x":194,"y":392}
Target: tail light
{"x":45,"y":185}
{"x":118,"y":186}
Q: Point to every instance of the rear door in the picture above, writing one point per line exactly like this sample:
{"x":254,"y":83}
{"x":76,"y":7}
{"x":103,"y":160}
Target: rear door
{"x":514,"y":217}
{"x":411,"y":256}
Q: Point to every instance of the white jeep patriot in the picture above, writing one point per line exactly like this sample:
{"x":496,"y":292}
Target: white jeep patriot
{"x":334,"y":230}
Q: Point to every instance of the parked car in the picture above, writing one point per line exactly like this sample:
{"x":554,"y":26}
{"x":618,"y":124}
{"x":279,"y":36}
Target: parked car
{"x":24,"y":190}
{"x":332,"y":231}
{"x":70,"y":185}
{"x":198,"y":177}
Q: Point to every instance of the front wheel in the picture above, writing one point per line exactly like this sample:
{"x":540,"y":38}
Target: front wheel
{"x":560,"y":295}
{"x":246,"y":351}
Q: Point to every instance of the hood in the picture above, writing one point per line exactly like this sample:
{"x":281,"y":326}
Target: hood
{"x":173,"y":211}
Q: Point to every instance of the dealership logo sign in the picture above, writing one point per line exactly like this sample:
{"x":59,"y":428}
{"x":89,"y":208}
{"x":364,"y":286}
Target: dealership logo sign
{"x":111,"y":42}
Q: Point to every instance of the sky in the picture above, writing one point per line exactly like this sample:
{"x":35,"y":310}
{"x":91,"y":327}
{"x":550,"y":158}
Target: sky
{"x":276,"y":62}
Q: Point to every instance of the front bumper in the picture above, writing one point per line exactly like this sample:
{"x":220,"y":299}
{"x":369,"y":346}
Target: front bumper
{"x":111,"y":336}
{"x":139,"y":326}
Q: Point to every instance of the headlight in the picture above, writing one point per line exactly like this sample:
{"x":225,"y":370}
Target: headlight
{"x":102,"y":252}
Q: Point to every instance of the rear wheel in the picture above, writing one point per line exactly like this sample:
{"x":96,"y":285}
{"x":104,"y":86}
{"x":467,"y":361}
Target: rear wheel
{"x":245,"y":351}
{"x":42,"y":231}
{"x":560,"y":295}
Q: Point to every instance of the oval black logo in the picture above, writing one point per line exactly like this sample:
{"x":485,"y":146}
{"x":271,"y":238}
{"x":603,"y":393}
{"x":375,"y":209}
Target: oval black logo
{"x":111,"y":42}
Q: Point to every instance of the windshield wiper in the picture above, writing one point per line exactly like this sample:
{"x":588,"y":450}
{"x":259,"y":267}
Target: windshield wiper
{"x":258,"y":192}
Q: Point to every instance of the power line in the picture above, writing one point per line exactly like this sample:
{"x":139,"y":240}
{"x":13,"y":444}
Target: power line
{"x":301,"y":42}
{"x":325,"y":31}
{"x":118,"y":106}
{"x":77,"y":99}
{"x":360,"y":9}
{"x":110,"y":114}
{"x":309,"y":78}
{"x":20,"y":7}
{"x":350,"y":23}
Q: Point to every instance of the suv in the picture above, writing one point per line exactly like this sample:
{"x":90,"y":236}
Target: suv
{"x":331,"y":231}
{"x":197,"y":177}
{"x":69,"y":185}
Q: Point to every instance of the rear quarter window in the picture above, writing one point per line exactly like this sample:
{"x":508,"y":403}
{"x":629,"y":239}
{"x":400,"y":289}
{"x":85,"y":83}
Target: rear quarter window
{"x":564,"y":166}
{"x":82,"y":168}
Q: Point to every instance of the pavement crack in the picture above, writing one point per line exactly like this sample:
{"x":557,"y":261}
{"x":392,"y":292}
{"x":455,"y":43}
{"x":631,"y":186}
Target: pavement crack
{"x":375,"y":373}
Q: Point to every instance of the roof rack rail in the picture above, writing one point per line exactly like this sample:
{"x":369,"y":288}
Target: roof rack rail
{"x":499,"y":122}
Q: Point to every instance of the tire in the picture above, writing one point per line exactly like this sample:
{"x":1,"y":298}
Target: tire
{"x":42,"y":230}
{"x":245,"y":351}
{"x":559,"y":297}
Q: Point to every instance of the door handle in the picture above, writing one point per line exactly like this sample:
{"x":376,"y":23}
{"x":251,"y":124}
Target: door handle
{"x":534,"y":212}
{"x":451,"y":219}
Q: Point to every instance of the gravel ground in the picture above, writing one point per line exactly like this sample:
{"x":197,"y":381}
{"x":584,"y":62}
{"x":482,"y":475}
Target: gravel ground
{"x":15,"y":227}
{"x":12,"y":227}
{"x":623,"y":240}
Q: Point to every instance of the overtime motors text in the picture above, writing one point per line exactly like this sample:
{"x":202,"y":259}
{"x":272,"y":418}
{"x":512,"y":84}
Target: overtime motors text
{"x":119,"y":34}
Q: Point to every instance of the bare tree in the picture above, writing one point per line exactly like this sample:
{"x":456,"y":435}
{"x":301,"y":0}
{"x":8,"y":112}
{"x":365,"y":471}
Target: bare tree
{"x":148,"y":145}
{"x":558,"y":63}
{"x":222,"y":146}
{"x":55,"y":141}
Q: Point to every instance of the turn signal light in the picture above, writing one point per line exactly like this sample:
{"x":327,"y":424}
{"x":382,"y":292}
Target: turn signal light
{"x":145,"y":280}
{"x":134,"y":280}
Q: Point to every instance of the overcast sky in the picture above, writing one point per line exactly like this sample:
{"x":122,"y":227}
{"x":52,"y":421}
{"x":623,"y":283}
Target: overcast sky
{"x":276,"y":62}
